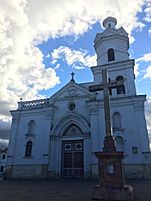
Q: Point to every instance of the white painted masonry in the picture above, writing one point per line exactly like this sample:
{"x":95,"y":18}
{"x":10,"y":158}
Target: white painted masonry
{"x":75,"y":114}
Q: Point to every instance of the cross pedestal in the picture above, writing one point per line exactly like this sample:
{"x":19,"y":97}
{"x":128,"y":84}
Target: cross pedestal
{"x":111,"y":176}
{"x":110,"y":162}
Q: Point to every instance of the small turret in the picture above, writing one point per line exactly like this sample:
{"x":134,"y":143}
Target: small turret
{"x":109,"y":22}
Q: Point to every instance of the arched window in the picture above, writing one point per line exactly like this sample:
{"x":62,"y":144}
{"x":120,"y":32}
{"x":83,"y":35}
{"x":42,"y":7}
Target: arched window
{"x":116,"y":120}
{"x":31,"y":126}
{"x":119,"y":143}
{"x":111,"y":56}
{"x":120,"y":89}
{"x":28,"y":149}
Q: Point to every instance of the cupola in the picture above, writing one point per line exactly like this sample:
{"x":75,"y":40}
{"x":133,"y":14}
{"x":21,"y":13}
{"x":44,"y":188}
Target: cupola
{"x":109,"y":22}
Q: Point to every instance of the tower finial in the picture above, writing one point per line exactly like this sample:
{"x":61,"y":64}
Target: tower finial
{"x":72,"y":74}
{"x":109,"y":22}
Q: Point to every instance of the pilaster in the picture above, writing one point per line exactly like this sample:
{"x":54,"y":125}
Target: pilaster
{"x":13,"y":139}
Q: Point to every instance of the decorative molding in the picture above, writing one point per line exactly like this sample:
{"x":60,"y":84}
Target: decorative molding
{"x":54,"y":138}
{"x":93,"y":110}
{"x":66,"y":120}
{"x":117,"y":133}
{"x":114,"y":66}
{"x":72,"y":92}
{"x":29,"y":135}
{"x":93,"y":96}
{"x":73,"y":131}
{"x":28,"y":157}
{"x":72,"y":106}
{"x":27,"y":105}
{"x":87,"y":135}
{"x":118,"y":130}
{"x":49,"y":116}
{"x":15,"y":119}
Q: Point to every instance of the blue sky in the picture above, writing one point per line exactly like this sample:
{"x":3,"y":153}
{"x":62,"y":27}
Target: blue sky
{"x":42,"y":42}
{"x":138,"y":49}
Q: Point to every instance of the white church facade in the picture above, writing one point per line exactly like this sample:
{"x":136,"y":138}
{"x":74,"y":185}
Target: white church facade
{"x":58,"y":136}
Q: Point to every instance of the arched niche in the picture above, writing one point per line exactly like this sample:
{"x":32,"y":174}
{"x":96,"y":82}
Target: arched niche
{"x":119,"y":142}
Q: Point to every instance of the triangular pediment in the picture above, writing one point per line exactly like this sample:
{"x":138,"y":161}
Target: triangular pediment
{"x":72,"y":89}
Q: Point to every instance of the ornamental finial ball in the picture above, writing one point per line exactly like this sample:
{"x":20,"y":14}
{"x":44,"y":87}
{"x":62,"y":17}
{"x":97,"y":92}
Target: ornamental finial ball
{"x":109,"y":22}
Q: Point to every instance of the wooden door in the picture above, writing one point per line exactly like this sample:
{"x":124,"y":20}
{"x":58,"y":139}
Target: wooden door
{"x":72,"y":159}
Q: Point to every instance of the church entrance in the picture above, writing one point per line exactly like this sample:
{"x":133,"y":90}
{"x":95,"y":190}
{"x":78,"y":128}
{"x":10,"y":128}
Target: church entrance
{"x":72,"y":158}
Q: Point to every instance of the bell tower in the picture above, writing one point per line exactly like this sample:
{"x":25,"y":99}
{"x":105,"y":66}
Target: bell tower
{"x":111,"y":47}
{"x":112,"y":44}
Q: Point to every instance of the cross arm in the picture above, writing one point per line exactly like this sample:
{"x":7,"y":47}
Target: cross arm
{"x":98,"y":87}
{"x":115,"y":84}
{"x":110,"y":85}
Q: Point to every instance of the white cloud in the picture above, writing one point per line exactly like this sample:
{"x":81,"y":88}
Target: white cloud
{"x":47,"y":56}
{"x":148,"y":115}
{"x":136,"y":69}
{"x":147,"y":11}
{"x":25,"y":23}
{"x":57,"y":66}
{"x":75,"y":17}
{"x":5,"y":123}
{"x":22,"y":70}
{"x":145,"y":58}
{"x":76,"y":59}
{"x":148,"y":73}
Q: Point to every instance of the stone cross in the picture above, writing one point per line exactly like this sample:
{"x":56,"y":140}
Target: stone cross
{"x":106,"y":86}
{"x":72,"y":74}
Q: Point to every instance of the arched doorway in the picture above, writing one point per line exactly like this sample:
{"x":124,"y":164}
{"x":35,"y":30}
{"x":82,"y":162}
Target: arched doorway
{"x":69,"y":138}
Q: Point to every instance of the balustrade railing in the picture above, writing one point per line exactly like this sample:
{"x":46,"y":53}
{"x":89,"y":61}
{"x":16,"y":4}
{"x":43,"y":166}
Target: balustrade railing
{"x":33,"y":104}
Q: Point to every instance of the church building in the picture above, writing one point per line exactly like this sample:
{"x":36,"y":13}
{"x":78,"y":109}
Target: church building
{"x":58,"y":136}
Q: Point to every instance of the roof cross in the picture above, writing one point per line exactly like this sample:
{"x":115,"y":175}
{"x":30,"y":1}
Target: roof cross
{"x":72,"y":74}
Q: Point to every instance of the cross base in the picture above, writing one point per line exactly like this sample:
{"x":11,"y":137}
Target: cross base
{"x":111,"y":175}
{"x":112,"y":194}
